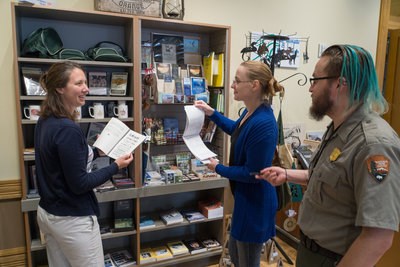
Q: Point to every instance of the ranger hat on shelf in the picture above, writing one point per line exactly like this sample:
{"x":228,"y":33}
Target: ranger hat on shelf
{"x":107,"y":51}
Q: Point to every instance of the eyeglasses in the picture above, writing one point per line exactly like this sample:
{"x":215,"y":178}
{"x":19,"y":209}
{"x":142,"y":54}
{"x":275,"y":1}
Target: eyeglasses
{"x":237,"y":82}
{"x":312,"y":80}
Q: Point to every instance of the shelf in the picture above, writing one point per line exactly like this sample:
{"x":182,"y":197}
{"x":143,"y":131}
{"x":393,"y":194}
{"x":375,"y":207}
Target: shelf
{"x":187,"y":258}
{"x":204,"y":184}
{"x":114,"y":195}
{"x":132,"y":193}
{"x":117,"y":234}
{"x":80,"y":62}
{"x":88,"y":98}
{"x":84,"y":120}
{"x":160,"y":225}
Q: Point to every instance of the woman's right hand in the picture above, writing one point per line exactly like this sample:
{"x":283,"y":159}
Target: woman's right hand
{"x":124,"y":161}
{"x":200,"y":104}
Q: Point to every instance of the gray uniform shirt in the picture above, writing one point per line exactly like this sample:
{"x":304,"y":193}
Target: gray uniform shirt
{"x":354,"y":182}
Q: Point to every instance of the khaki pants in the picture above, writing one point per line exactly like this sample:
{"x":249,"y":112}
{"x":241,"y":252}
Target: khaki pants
{"x":71,"y":241}
{"x":307,"y":258}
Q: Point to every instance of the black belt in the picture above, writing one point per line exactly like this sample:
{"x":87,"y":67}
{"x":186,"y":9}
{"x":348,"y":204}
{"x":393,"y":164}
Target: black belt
{"x":314,"y":247}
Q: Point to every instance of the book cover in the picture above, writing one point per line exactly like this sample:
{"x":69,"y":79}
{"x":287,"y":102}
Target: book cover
{"x":194,"y":70}
{"x":187,"y":86}
{"x":108,"y":261}
{"x":177,"y":248}
{"x":123,"y":182}
{"x":211,"y":243}
{"x":147,"y":255}
{"x":162,"y":70}
{"x":146,"y":222}
{"x":97,"y":83}
{"x":194,"y":246}
{"x":198,"y":85}
{"x":218,"y":70}
{"x":208,"y":63}
{"x":171,"y":217}
{"x":123,"y":215}
{"x":208,"y":130}
{"x":119,"y":82}
{"x":95,"y":129}
{"x":122,"y":258}
{"x":162,"y":253}
{"x":117,"y":139}
{"x":193,"y":215}
{"x":31,"y":81}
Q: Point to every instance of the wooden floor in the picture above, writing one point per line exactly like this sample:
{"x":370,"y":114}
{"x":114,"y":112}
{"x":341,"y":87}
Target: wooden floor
{"x":290,"y":251}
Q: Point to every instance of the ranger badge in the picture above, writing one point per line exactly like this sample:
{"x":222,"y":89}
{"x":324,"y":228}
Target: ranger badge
{"x":378,"y":166}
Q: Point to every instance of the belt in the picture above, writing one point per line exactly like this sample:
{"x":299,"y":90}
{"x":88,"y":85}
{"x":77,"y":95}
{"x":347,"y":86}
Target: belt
{"x":314,"y":247}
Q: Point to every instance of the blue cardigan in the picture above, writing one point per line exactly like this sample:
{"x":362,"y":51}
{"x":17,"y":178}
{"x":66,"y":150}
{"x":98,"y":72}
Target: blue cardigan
{"x":61,"y":155}
{"x":255,"y":200}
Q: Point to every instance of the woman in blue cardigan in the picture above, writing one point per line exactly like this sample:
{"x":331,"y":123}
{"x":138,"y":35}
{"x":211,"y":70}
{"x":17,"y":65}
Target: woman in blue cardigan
{"x":253,"y":141}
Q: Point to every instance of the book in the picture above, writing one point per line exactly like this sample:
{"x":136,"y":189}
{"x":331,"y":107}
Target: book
{"x":162,"y":253}
{"x":146,"y":222}
{"x":177,"y":248}
{"x":117,"y":139}
{"x":208,"y":130}
{"x":187,"y":86}
{"x":218,"y":70}
{"x":208,"y":63}
{"x":147,"y":255}
{"x":171,"y":127}
{"x":183,"y":161}
{"x":33,"y":178}
{"x":211,"y":208}
{"x":191,"y":135}
{"x":193,"y":215}
{"x":171,"y":217}
{"x":122,"y":258}
{"x":194,"y":70}
{"x":123,"y":215}
{"x":123,"y":182}
{"x":199,"y":85}
{"x":211,"y":243}
{"x":31,"y":81}
{"x":108,"y":261}
{"x":194,"y":246}
{"x":163,"y":69}
{"x":119,"y":82}
{"x":107,"y":186}
{"x":95,"y":129}
{"x":97,"y":83}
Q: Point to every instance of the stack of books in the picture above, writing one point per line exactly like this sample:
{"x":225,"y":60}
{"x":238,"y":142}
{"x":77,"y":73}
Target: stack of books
{"x":171,"y":217}
{"x":121,"y":258}
{"x":211,"y":208}
{"x":177,"y":248}
{"x":162,"y":253}
{"x":193,"y":215}
{"x":147,"y":255}
{"x":146,"y":222}
{"x":211,"y":243}
{"x":194,"y":246}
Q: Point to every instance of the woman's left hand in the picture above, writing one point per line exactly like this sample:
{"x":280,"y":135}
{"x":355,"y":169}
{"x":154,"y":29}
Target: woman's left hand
{"x":213,"y":163}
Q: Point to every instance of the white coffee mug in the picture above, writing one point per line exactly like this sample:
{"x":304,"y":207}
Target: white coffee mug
{"x":121,"y":111}
{"x":78,"y":113}
{"x":96,"y":111}
{"x":32,"y":112}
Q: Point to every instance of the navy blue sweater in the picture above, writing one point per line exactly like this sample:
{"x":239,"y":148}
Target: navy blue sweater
{"x":255,"y":200}
{"x":61,"y":155}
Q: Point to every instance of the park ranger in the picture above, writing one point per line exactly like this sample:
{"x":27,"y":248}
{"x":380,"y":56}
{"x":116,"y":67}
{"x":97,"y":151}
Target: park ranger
{"x":352,"y":204}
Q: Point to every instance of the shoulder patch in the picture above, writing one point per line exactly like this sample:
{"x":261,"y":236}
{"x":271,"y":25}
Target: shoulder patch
{"x":378,"y":166}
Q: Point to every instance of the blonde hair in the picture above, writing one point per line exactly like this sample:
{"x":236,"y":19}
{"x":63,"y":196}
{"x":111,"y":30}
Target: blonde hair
{"x":257,"y":70}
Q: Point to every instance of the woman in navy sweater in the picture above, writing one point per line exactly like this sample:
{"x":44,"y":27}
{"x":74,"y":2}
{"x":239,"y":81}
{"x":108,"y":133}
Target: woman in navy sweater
{"x":253,"y":141}
{"x":68,"y":208}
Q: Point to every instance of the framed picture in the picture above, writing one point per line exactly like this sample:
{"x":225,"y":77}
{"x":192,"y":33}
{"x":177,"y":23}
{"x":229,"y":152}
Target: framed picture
{"x":168,"y":48}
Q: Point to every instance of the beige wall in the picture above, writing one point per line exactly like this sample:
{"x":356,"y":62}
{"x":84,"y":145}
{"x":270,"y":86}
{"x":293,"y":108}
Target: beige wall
{"x":328,"y":22}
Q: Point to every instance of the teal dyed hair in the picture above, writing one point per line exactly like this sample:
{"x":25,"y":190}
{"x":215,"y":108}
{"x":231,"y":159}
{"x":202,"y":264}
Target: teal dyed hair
{"x":355,"y":64}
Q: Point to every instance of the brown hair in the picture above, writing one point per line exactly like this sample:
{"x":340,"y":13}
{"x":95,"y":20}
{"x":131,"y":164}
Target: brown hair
{"x":257,"y":70}
{"x":57,"y":77}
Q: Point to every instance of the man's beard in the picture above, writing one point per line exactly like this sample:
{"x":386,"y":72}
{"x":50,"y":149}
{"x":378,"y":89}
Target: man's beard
{"x":320,"y":107}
